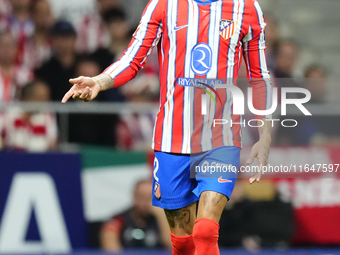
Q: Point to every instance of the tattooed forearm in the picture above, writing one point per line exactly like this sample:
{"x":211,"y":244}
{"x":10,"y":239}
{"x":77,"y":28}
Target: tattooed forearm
{"x":105,"y":81}
{"x":180,"y":217}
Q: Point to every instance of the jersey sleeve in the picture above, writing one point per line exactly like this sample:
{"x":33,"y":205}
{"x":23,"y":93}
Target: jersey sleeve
{"x":254,"y":50}
{"x":144,"y":40}
{"x":115,"y":225}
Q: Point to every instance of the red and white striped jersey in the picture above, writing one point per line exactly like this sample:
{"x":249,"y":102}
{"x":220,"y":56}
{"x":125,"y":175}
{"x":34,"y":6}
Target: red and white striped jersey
{"x":30,"y":133}
{"x":21,"y":30}
{"x":10,"y":87}
{"x":35,"y":54}
{"x":198,"y":41}
{"x":92,"y":33}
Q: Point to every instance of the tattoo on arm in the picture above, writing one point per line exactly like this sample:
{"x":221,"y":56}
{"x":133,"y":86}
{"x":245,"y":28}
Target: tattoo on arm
{"x":105,"y":81}
{"x":180,"y":217}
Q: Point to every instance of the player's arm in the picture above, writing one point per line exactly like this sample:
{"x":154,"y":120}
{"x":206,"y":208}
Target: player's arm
{"x":260,"y":150}
{"x":258,"y":75}
{"x":110,"y":236}
{"x":134,"y":58}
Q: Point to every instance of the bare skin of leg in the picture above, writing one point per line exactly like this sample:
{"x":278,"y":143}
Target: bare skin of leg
{"x":211,"y":205}
{"x":181,"y":221}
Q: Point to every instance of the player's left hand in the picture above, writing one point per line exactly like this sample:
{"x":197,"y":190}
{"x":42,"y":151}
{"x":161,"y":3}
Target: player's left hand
{"x":260,"y":150}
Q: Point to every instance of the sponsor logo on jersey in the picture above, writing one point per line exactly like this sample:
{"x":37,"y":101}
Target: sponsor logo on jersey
{"x":203,"y":85}
{"x":179,"y":28}
{"x":227,"y":28}
{"x":221,"y":180}
{"x":201,"y":59}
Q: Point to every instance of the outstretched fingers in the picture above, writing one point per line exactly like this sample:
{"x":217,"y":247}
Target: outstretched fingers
{"x":67,"y":96}
{"x":76,"y":80}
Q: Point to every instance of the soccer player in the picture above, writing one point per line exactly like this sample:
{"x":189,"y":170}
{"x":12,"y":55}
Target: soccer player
{"x":198,"y":41}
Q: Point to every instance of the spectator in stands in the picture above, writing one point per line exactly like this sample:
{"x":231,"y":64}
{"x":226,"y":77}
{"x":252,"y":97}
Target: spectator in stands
{"x":19,"y":22}
{"x":137,"y":227}
{"x":87,"y":67}
{"x":92,"y":31}
{"x":315,"y":82}
{"x":235,"y":220}
{"x":316,"y":129}
{"x":38,"y":47}
{"x":286,"y":58}
{"x":119,"y":38}
{"x":30,"y":131}
{"x":12,"y":76}
{"x":134,"y":130}
{"x":94,"y":129}
{"x":272,"y":221}
{"x":272,"y":39}
{"x":61,"y":67}
{"x":267,"y":222}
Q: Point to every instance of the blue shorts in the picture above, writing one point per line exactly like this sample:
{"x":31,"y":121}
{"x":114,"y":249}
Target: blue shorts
{"x":179,"y":179}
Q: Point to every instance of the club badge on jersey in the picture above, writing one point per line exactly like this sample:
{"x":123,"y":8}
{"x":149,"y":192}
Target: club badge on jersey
{"x":227,"y":28}
{"x":157,"y":191}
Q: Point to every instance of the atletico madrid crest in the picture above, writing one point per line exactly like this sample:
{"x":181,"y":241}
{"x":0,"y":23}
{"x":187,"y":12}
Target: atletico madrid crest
{"x":157,"y":191}
{"x":227,"y":28}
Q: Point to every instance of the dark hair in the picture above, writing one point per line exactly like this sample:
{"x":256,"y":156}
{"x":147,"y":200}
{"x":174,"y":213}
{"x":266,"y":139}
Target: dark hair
{"x":286,"y":41}
{"x":63,"y":28}
{"x":28,"y":90}
{"x":114,"y":14}
{"x":34,"y":4}
{"x":87,"y":59}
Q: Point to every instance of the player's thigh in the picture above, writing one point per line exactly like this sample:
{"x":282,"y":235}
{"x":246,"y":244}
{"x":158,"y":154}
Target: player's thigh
{"x":211,"y":205}
{"x":181,"y":221}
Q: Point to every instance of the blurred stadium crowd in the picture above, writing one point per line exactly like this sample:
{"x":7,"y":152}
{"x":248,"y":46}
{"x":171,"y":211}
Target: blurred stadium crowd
{"x":39,"y":53}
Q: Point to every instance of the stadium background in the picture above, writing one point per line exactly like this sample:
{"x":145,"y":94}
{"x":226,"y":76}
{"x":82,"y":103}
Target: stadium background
{"x":90,"y":178}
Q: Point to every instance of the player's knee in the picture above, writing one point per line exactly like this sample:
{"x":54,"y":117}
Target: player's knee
{"x":181,"y":231}
{"x":205,"y":230}
{"x":181,"y":221}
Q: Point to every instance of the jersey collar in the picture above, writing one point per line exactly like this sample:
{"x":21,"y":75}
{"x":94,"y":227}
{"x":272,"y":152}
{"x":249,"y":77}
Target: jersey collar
{"x":205,"y":2}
